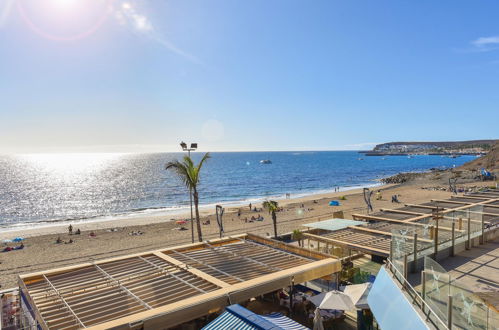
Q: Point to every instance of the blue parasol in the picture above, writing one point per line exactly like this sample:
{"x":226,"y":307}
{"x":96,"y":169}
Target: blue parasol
{"x":18,"y":239}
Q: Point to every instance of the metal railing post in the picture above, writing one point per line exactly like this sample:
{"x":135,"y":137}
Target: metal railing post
{"x":405,"y":268}
{"x":423,"y":289}
{"x":415,"y":252}
{"x":452,"y":251}
{"x":468,"y":242}
{"x":435,"y":243}
{"x":449,"y":312}
{"x":482,"y":237}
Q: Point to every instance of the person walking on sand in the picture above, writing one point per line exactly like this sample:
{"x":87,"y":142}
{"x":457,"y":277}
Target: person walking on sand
{"x":70,"y":229}
{"x":250,"y":206}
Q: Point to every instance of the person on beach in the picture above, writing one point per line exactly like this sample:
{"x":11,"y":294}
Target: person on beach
{"x":70,"y":229}
{"x":250,"y":206}
{"x":78,"y":232}
{"x":378,"y":195}
{"x":58,"y":240}
{"x":239,"y":213}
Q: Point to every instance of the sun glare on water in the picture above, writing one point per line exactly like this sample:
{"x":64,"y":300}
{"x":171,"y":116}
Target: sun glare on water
{"x":70,"y":164}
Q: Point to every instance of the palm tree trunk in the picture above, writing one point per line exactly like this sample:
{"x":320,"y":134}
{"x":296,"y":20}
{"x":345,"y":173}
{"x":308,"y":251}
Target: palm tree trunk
{"x":198,"y":221}
{"x":274,"y":220}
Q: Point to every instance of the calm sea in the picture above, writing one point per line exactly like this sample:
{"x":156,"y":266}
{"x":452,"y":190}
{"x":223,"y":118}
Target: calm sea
{"x":43,"y":188}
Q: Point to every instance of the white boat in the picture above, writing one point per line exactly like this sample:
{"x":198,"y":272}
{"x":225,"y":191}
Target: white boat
{"x":265,"y":161}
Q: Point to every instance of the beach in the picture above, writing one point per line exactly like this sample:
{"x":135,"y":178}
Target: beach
{"x":114,"y":238}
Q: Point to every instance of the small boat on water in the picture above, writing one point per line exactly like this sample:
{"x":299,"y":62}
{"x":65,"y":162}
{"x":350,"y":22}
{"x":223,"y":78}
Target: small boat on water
{"x":265,"y":161}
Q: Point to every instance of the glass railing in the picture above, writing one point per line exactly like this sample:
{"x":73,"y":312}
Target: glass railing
{"x":454,"y":302}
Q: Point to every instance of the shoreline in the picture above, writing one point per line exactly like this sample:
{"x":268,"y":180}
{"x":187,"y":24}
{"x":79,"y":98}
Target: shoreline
{"x":158,"y":215}
{"x":150,"y":233}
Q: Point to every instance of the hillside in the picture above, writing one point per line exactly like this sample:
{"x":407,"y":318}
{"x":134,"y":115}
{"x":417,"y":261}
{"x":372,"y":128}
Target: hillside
{"x":445,"y":145}
{"x":449,"y":148}
{"x":490,"y":161}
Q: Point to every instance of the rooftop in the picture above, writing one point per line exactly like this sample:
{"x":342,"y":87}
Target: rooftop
{"x":169,"y":286}
{"x":374,"y":236}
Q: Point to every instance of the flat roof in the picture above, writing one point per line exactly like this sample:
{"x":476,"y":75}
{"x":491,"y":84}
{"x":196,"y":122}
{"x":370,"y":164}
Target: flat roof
{"x":333,"y":224}
{"x":374,"y":236}
{"x":169,"y":286}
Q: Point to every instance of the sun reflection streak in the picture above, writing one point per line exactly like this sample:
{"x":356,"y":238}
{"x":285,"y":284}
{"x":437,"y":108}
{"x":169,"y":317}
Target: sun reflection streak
{"x":70,"y":164}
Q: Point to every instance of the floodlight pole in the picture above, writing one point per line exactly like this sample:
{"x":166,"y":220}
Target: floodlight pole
{"x":192,"y":148}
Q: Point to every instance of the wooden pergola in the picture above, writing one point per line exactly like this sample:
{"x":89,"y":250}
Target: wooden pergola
{"x":375,"y":237}
{"x":167,"y":287}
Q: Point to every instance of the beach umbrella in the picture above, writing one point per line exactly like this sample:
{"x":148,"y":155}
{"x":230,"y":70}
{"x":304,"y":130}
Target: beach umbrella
{"x":358,"y":293}
{"x":7,"y":241}
{"x":334,"y":203}
{"x":333,"y":300}
{"x":318,"y":320}
{"x":18,"y":239}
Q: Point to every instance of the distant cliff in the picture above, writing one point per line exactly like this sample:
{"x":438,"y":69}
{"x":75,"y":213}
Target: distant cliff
{"x":475,"y":147}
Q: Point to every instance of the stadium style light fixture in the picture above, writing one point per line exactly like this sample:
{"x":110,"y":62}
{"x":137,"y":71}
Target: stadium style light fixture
{"x":193,"y":147}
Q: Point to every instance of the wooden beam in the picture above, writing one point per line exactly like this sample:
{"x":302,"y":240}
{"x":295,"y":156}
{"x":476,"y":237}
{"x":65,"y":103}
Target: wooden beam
{"x":425,"y":206}
{"x":375,"y":217}
{"x":482,"y":195}
{"x":450,"y":202}
{"x":192,"y":270}
{"x":359,"y":247}
{"x":470,"y":197}
{"x":361,"y":228}
{"x":405,"y":222}
{"x":288,"y":247}
{"x":488,"y":205}
{"x":403,"y":212}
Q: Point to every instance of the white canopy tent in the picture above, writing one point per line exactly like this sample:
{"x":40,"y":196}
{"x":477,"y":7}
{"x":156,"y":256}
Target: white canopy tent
{"x":358,"y":293}
{"x":333,"y":300}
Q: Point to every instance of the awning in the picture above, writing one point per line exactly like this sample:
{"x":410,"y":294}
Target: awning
{"x":333,"y":224}
{"x":230,"y":321}
{"x":238,"y":317}
{"x":283,"y":322}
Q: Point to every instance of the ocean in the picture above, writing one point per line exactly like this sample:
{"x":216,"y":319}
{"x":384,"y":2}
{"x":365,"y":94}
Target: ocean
{"x":41,"y":189}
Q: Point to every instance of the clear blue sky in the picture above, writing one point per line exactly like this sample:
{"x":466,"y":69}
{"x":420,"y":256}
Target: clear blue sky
{"x":114,"y":75}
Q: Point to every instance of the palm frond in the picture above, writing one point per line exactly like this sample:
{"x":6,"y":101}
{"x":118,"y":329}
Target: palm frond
{"x":272,"y":206}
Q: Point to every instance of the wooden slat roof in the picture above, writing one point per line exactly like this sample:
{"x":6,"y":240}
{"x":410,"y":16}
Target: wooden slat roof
{"x":127,"y":288}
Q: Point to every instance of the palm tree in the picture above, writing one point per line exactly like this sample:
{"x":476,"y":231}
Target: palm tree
{"x":273,"y":207}
{"x":188,"y":173}
{"x":297,"y":235}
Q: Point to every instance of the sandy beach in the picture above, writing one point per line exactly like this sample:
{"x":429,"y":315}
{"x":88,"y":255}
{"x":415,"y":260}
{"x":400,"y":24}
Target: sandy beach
{"x":113,"y":238}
